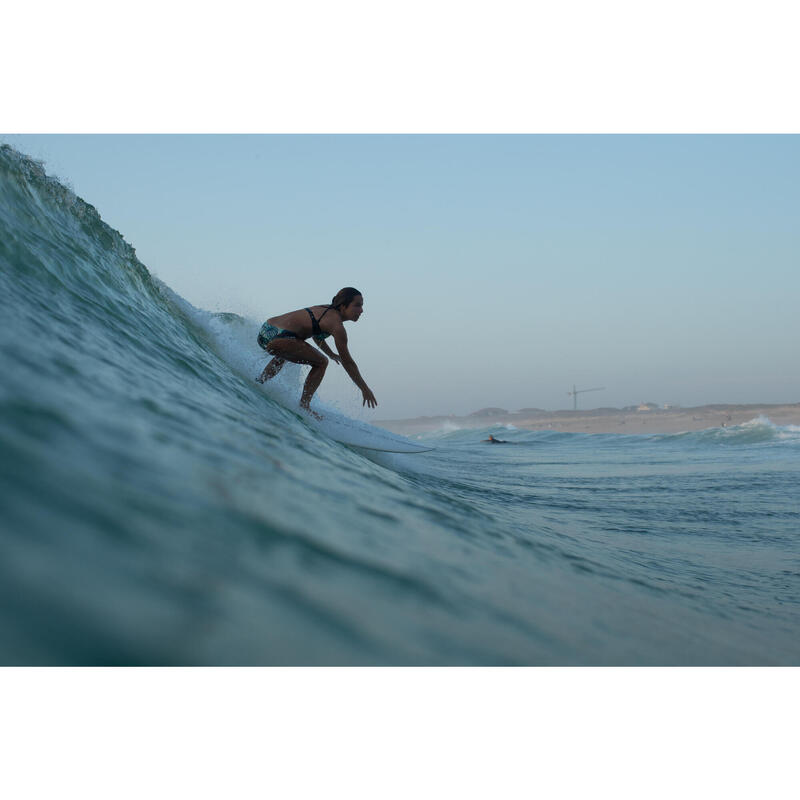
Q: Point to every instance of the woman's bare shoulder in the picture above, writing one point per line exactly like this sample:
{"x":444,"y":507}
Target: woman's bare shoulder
{"x":329,"y":318}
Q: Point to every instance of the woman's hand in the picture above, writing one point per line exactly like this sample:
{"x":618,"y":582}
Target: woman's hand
{"x":336,"y":358}
{"x":369,"y":398}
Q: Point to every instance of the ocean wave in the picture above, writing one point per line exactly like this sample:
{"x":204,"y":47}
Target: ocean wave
{"x":758,"y":431}
{"x":160,"y":507}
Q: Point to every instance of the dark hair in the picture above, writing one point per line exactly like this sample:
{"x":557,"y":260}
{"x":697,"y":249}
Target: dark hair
{"x":344,"y":297}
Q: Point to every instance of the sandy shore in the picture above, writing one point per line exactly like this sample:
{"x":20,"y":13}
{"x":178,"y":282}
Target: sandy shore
{"x":604,"y":420}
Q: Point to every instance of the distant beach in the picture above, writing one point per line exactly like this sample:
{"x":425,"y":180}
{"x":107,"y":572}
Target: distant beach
{"x":636,"y":419}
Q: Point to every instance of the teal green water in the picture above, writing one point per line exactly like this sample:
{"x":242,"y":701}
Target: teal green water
{"x":158,"y":507}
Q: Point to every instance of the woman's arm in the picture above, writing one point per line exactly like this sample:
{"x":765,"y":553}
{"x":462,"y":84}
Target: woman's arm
{"x":340,"y":337}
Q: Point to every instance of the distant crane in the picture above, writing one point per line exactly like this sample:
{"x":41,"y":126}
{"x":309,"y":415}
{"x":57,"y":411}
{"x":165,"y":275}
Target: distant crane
{"x":575,"y":392}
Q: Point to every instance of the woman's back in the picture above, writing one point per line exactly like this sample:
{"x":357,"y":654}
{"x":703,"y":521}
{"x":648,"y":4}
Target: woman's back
{"x":300,"y":321}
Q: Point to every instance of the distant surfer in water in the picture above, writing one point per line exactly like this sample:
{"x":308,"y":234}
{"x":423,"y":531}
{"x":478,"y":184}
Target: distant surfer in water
{"x":283,"y":337}
{"x":495,"y":441}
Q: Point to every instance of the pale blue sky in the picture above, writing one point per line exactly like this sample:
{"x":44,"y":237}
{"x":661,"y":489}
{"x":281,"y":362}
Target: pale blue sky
{"x":496,"y":270}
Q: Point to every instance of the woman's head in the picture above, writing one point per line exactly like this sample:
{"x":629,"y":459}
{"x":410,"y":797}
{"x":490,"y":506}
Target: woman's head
{"x":349,"y":303}
{"x":344,"y":297}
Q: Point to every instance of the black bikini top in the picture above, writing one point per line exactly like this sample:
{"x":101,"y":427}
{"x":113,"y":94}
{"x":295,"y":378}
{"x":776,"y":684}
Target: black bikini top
{"x":316,"y":331}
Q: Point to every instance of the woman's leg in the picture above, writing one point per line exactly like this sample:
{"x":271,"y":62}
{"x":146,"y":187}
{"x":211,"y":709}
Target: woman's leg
{"x":312,"y":383}
{"x":271,"y":370}
{"x":298,"y":352}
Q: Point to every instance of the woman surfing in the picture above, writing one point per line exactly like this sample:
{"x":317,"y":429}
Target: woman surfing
{"x":283,"y":337}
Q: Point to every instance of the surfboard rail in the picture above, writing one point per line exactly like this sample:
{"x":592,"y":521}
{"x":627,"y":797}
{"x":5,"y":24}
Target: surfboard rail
{"x":355,"y":433}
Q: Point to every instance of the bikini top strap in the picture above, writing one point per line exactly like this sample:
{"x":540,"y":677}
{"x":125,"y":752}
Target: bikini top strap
{"x":315,"y":329}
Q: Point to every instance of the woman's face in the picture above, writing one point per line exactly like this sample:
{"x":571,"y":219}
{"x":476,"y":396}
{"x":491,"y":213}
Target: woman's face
{"x":354,"y":309}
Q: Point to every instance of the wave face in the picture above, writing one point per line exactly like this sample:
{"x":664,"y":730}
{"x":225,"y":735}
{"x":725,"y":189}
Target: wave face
{"x":160,"y":507}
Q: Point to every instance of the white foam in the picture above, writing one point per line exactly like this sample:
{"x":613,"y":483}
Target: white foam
{"x":449,"y":427}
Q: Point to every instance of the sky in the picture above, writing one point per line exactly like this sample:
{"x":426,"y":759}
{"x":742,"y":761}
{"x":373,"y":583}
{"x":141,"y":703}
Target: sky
{"x":497,"y":270}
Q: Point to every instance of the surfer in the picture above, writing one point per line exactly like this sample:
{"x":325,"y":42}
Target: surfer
{"x":283,"y":337}
{"x":495,"y":441}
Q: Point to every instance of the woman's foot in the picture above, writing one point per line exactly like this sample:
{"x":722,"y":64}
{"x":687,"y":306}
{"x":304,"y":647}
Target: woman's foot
{"x":308,"y":410}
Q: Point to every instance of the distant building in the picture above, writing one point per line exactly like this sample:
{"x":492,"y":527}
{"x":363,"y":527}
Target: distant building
{"x":647,"y":407}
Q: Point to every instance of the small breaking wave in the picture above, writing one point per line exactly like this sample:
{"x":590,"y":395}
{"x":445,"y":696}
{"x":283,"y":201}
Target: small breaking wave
{"x":760,"y":430}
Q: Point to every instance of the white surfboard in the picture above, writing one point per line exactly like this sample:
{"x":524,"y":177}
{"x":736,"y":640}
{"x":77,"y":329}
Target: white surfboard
{"x":337,"y":426}
{"x":355,"y":433}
